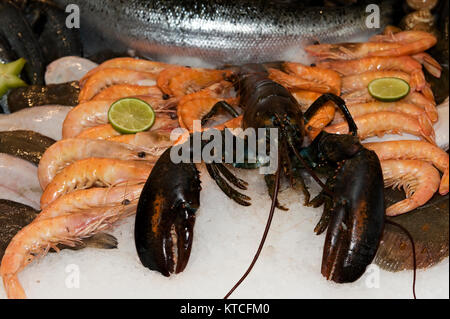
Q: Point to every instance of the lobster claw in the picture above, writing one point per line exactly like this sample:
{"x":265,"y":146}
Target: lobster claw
{"x":357,"y":221}
{"x":165,"y":216}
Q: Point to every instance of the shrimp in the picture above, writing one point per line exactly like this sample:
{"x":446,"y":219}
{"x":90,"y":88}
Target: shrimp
{"x":120,"y":91}
{"x":93,"y":198}
{"x":68,"y":151}
{"x":155,"y":141}
{"x":419,"y":179}
{"x":133,"y":64}
{"x":106,"y":131}
{"x":179,"y":81}
{"x":403,"y":63}
{"x":415,"y":150}
{"x":380,"y":123}
{"x":94,"y":172}
{"x":196,"y":109}
{"x":416,"y":98}
{"x":36,"y":239}
{"x":94,"y":113}
{"x":357,"y":82}
{"x":100,"y":132}
{"x":410,"y":42}
{"x":399,"y":44}
{"x":294,"y":82}
{"x":107,"y":77}
{"x":357,"y":110}
{"x":315,"y":74}
{"x":430,"y":64}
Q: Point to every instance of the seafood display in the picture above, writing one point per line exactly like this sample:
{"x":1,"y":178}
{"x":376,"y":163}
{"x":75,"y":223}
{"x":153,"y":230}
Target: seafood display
{"x":299,"y":120}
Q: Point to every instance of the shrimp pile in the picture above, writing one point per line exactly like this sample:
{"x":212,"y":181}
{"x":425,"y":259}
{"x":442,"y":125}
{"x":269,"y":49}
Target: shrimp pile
{"x":93,"y":177}
{"x":411,"y":165}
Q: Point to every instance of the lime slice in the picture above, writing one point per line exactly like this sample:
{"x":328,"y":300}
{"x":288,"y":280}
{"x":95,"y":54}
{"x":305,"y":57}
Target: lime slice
{"x":131,"y":115}
{"x":389,"y":89}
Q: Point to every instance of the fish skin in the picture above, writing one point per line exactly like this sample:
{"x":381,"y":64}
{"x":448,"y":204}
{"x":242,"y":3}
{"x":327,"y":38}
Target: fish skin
{"x":13,"y":217}
{"x":15,"y":30}
{"x":27,"y":145}
{"x":48,"y":23}
{"x":222,"y":32}
{"x":46,"y":120}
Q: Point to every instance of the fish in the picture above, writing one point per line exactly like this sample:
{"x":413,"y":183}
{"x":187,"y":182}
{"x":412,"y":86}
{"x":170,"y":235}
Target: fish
{"x":46,"y":120}
{"x":27,"y":145}
{"x":68,"y":69}
{"x":14,"y":216}
{"x":48,"y":23}
{"x":39,"y":95}
{"x":19,"y":181}
{"x":429,"y":227}
{"x":223,"y":32}
{"x":17,"y":33}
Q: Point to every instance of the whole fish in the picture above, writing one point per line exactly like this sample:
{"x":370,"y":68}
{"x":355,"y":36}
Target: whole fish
{"x":19,"y":181}
{"x":17,"y":34}
{"x":27,"y":145}
{"x":224,"y":32}
{"x":46,"y":120}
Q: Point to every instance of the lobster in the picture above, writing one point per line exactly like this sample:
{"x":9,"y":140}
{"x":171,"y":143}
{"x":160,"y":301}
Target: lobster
{"x":354,"y":212}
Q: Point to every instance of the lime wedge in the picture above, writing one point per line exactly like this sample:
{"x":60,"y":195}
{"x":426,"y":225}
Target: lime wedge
{"x":131,"y":115}
{"x":389,"y":89}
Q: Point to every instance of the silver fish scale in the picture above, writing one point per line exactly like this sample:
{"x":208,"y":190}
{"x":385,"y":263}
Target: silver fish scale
{"x":220,"y":32}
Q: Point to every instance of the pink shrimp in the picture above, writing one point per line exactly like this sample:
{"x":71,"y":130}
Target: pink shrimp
{"x":357,"y":82}
{"x":363,"y":96}
{"x":419,"y":179}
{"x":179,"y":81}
{"x":415,"y":150}
{"x":119,"y":91}
{"x":399,"y":44}
{"x":294,"y":82}
{"x":133,"y":64}
{"x":65,"y":152}
{"x":430,"y":64}
{"x":90,"y":172}
{"x":380,"y":123}
{"x":155,"y":141}
{"x":372,"y":107}
{"x":36,"y":239}
{"x":315,"y":74}
{"x":94,"y":113}
{"x":93,"y":198}
{"x":403,"y":63}
{"x":107,"y":77}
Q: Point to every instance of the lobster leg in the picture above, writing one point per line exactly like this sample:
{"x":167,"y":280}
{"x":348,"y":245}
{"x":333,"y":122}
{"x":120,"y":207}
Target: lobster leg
{"x":239,"y":198}
{"x":220,"y":105}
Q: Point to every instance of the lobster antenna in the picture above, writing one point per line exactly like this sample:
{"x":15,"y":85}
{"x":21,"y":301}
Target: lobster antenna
{"x":266,"y":231}
{"x":411,"y":239}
